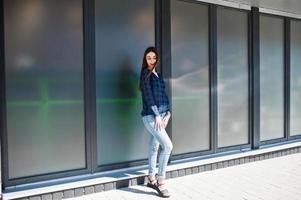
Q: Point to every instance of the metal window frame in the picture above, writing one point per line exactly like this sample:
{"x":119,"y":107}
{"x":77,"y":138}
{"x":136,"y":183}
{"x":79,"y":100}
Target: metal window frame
{"x":287,"y":80}
{"x":158,"y":13}
{"x":2,"y":96}
{"x":288,"y":74}
{"x":35,"y":181}
{"x":287,"y":64}
{"x":212,"y":81}
{"x":286,"y":84}
{"x":213,"y":115}
{"x":212,"y":12}
{"x":248,"y":144}
{"x":254,"y":74}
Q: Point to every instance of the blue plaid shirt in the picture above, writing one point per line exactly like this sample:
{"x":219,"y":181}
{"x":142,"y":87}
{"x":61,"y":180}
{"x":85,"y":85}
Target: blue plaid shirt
{"x":153,"y":93}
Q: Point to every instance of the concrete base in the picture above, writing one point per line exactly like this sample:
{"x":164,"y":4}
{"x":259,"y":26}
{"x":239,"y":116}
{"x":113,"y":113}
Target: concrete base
{"x":137,"y":175}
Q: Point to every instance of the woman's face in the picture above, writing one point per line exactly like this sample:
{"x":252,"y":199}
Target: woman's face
{"x":151,"y":59}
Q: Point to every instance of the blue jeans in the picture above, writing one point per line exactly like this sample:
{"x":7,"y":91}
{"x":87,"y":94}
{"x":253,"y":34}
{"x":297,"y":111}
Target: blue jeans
{"x":158,"y":137}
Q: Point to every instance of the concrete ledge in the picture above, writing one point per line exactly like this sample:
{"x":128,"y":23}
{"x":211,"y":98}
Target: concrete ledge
{"x":239,"y":5}
{"x":137,"y":175}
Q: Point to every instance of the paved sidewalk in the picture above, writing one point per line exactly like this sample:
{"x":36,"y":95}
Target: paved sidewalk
{"x":273,"y":179}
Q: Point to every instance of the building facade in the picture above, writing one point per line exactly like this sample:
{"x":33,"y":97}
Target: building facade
{"x":70,"y":103}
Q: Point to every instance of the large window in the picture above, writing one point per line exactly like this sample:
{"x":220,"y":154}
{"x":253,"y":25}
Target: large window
{"x":232,"y":76}
{"x":295,"y":110}
{"x":45,"y":79}
{"x":44,"y":86}
{"x":123,"y":31}
{"x":271,"y":77}
{"x":190,"y":77}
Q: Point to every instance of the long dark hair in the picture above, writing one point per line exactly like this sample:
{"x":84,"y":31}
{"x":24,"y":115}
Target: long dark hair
{"x":144,"y":62}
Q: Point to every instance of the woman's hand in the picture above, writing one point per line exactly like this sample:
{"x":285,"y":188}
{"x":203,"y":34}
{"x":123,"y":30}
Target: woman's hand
{"x":166,"y":119}
{"x":158,"y":123}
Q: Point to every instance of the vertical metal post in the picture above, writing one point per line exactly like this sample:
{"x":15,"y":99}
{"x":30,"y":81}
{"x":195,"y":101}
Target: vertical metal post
{"x":255,"y":78}
{"x":2,"y":93}
{"x":165,"y":44}
{"x":287,"y":72}
{"x":90,"y":83}
{"x":213,"y":75}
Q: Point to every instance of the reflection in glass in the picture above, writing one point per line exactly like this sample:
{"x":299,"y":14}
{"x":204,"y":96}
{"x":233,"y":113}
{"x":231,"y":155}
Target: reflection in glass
{"x":44,"y":86}
{"x":295,"y":110}
{"x":232,"y":76}
{"x":190,"y":77}
{"x":120,"y":43}
{"x":271,"y":78}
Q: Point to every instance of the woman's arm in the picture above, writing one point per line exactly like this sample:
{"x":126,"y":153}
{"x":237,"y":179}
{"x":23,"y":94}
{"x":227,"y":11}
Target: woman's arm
{"x":148,"y":93}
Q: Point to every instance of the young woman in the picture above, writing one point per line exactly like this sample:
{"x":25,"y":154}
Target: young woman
{"x":155,"y":115}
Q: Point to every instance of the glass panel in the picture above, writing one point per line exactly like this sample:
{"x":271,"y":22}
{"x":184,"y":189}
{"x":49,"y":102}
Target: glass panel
{"x":232,"y":76}
{"x":295,"y":126}
{"x":120,"y":43}
{"x":271,"y":78}
{"x":190,"y":77}
{"x":44,"y":86}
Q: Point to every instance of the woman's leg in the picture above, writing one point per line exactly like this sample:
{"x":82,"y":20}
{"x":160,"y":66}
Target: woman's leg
{"x":152,"y":156}
{"x":163,"y":139}
{"x":165,"y":152}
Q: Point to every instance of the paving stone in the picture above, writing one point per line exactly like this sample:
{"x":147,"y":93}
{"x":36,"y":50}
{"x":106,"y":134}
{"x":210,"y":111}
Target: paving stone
{"x":195,"y":170}
{"x":99,"y":188}
{"x":122,"y":183}
{"x":109,"y":186}
{"x":47,"y":197}
{"x":35,"y":198}
{"x":68,"y":194}
{"x":181,"y":172}
{"x":89,"y":190}
{"x":188,"y":171}
{"x":220,"y":165}
{"x":79,"y":192}
{"x":208,"y":167}
{"x":201,"y":168}
{"x":231,"y":163}
{"x":57,"y":195}
{"x":174,"y":174}
{"x":214,"y":166}
{"x":168,"y":175}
